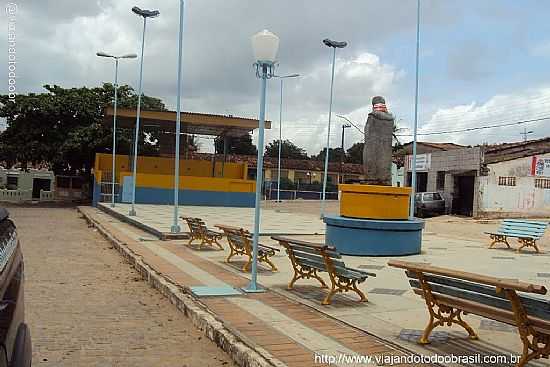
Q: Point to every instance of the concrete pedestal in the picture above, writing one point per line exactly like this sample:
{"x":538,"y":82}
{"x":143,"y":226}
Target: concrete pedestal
{"x":368,"y":237}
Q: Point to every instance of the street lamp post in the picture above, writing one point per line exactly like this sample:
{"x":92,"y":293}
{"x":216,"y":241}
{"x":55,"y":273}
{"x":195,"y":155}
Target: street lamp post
{"x":265,"y":45}
{"x":344,"y":126}
{"x":175,"y":227}
{"x":334,"y":45}
{"x":128,"y":56}
{"x":413,"y":178}
{"x":281,"y":133}
{"x":145,"y":14}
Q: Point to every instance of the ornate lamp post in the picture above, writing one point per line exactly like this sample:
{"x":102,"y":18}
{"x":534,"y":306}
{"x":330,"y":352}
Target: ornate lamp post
{"x":128,"y":56}
{"x":265,"y":45}
{"x":145,"y":14}
{"x":334,"y":45}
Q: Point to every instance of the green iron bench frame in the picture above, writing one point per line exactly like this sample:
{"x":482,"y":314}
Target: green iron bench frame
{"x":526,"y":231}
{"x":240,"y":243}
{"x":449,"y":294}
{"x":199,"y":231}
{"x":308,"y":259}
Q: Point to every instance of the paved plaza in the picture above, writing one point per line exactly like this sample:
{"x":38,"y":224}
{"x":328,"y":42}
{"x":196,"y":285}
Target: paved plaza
{"x":394,"y":315}
{"x":273,"y":221}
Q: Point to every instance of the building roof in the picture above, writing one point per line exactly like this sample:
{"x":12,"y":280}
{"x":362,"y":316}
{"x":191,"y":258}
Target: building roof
{"x":508,"y":151}
{"x":428,"y":147}
{"x":295,"y":164}
{"x":192,"y":122}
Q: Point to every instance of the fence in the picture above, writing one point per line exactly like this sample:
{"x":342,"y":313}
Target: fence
{"x":271,"y":194}
{"x":15,"y":195}
{"x":47,"y":195}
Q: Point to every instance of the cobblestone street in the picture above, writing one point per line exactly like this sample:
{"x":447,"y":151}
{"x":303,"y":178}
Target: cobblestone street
{"x":85,"y":307}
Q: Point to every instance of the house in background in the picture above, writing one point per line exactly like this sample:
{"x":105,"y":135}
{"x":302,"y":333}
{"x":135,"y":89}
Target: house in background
{"x":516,"y":180}
{"x":509,"y":179}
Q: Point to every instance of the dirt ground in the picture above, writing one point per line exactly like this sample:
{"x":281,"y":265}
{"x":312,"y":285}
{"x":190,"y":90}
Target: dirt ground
{"x":85,"y":307}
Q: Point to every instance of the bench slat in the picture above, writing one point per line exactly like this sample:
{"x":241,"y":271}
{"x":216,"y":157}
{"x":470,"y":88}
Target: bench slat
{"x":352,"y":273}
{"x":523,"y":227}
{"x":525,"y":222}
{"x":319,"y":265}
{"x":520,"y":231}
{"x":316,"y":257}
{"x":313,"y":250}
{"x":487,"y":280}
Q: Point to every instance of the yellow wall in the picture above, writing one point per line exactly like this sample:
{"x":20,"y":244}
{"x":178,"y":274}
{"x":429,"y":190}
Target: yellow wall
{"x":193,"y":183}
{"x":165,"y":166}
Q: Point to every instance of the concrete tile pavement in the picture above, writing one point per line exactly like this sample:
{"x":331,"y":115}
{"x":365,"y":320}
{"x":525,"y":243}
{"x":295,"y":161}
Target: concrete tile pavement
{"x":388,"y":315}
{"x":290,"y":331}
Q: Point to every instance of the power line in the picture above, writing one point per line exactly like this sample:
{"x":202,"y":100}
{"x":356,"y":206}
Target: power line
{"x":480,"y":127}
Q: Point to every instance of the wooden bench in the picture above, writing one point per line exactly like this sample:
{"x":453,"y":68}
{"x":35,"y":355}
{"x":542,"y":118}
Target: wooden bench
{"x":527,"y":232}
{"x":308,"y":259}
{"x":199,"y":231}
{"x":240,"y":243}
{"x":449,"y":294}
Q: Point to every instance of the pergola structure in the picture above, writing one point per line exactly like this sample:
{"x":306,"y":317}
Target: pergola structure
{"x":164,"y":122}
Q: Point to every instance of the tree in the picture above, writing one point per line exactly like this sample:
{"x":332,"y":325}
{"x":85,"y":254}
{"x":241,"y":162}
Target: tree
{"x":355,"y":153}
{"x":62,"y":127}
{"x":335,"y":154}
{"x":237,"y":145}
{"x":288,"y":150}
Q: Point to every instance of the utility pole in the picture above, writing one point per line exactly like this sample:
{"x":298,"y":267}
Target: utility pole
{"x":525,"y":133}
{"x":344,"y":126}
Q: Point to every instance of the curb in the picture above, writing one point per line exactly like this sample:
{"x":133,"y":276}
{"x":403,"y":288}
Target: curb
{"x":203,"y":319}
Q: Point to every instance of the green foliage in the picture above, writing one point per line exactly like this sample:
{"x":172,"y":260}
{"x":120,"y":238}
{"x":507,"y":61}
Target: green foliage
{"x":288,"y":150}
{"x":335,"y":154}
{"x":355,"y":153}
{"x":62,"y":127}
{"x":237,"y":145}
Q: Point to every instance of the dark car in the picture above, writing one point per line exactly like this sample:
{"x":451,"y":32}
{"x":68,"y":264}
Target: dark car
{"x":15,"y":337}
{"x":429,"y":203}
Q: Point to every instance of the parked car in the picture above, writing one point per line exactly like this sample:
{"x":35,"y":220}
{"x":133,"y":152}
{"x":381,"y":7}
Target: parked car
{"x":429,"y":203}
{"x":15,"y":337}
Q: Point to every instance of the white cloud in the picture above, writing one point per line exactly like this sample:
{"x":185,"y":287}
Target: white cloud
{"x":498,"y":110}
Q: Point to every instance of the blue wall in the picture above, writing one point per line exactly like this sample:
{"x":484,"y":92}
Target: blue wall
{"x":149,"y":195}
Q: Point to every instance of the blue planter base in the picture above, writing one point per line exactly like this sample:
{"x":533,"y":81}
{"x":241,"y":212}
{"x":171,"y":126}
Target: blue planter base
{"x":368,"y":237}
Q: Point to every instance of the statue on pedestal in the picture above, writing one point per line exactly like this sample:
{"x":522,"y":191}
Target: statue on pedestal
{"x":377,"y":152}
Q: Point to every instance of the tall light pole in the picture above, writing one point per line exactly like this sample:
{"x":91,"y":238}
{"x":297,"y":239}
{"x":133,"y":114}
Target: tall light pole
{"x":127,"y":56}
{"x":282,"y":78}
{"x":334,"y":45}
{"x":175,"y":227}
{"x":145,"y":14}
{"x":265,"y":45}
{"x":413,"y":178}
{"x":344,"y":126}
{"x":525,"y":133}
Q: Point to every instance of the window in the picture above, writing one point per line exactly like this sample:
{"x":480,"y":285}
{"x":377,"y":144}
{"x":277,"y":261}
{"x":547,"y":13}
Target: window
{"x":440,"y":182}
{"x":12,"y":182}
{"x":506,"y":181}
{"x":542,"y":183}
{"x":436,"y":196}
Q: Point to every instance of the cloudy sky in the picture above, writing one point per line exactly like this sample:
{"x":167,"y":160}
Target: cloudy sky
{"x":482,"y":62}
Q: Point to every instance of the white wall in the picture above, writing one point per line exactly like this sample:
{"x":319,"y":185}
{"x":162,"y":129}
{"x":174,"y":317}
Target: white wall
{"x":523,"y":199}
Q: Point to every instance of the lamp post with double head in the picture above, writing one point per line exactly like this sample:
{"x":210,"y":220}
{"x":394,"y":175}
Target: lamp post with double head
{"x":175,"y":227}
{"x":116,"y":58}
{"x":265,"y":45}
{"x":282,"y":78}
{"x":334,"y":45}
{"x":144,"y":14}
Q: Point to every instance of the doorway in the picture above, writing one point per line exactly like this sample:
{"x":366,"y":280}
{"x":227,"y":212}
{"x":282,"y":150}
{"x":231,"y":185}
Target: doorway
{"x":463,"y":199}
{"x":40,"y":184}
{"x":421,"y":181}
